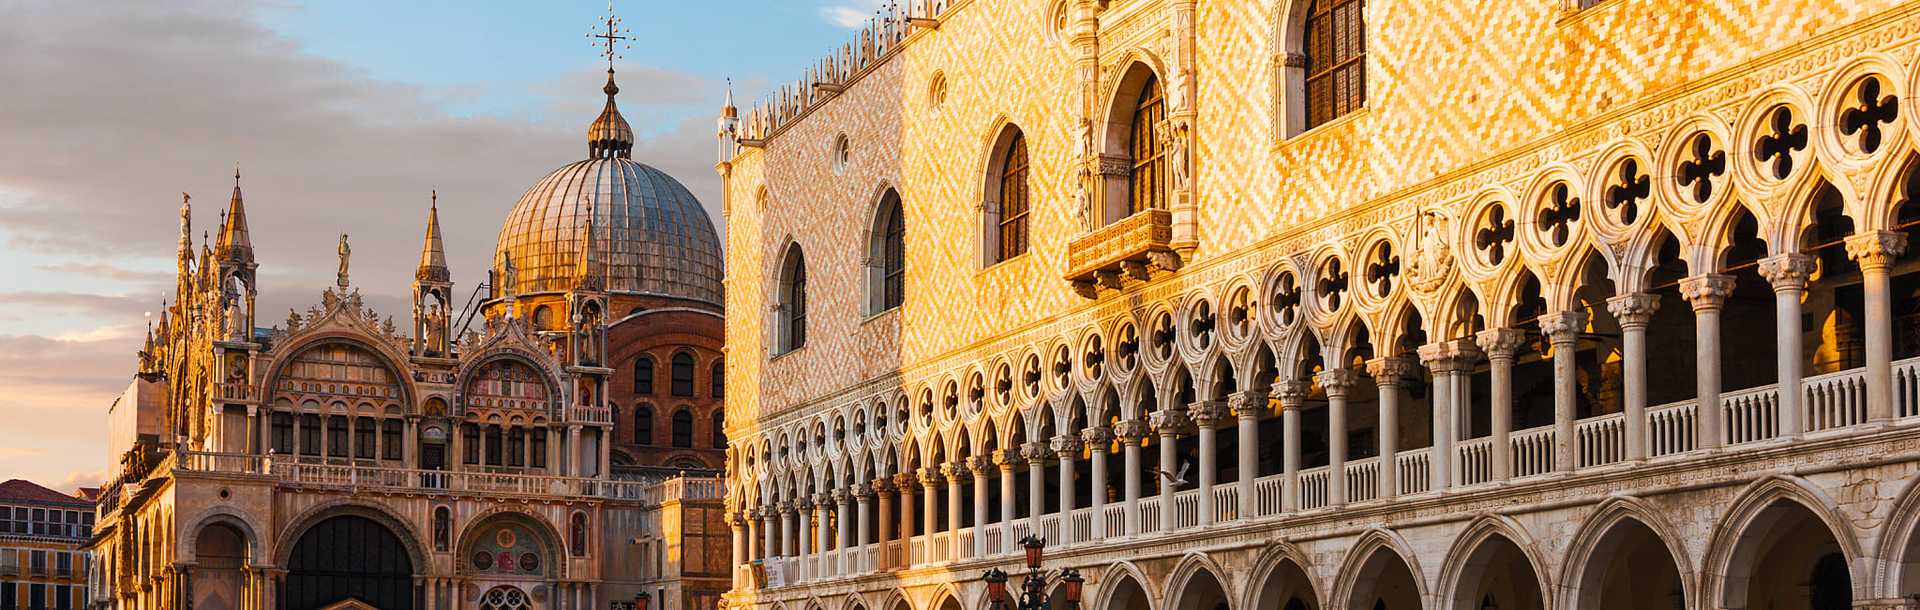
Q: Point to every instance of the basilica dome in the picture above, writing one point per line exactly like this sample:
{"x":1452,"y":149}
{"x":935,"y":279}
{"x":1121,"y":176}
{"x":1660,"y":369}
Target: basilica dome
{"x":651,"y":236}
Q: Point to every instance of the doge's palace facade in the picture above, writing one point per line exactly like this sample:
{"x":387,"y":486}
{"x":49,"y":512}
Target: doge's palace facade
{"x":1351,"y":304}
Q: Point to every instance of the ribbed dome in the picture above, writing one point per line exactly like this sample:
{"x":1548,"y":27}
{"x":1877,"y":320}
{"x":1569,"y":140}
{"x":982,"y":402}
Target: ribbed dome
{"x":652,"y":235}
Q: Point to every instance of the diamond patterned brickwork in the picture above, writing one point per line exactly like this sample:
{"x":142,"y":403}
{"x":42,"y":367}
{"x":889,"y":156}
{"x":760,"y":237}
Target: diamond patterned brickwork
{"x":1463,"y":95}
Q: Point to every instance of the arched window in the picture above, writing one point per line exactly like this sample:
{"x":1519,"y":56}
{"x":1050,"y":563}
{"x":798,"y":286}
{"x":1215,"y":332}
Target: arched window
{"x":719,"y":429}
{"x":282,"y":433}
{"x":309,"y":434}
{"x":390,"y":443}
{"x":682,"y":429}
{"x":1013,"y":198}
{"x":517,"y":446}
{"x":683,"y":374}
{"x":719,"y":375}
{"x":470,"y":443}
{"x":643,"y":376}
{"x":887,"y":255}
{"x":1336,"y":51}
{"x":1147,"y":185}
{"x":792,"y":323}
{"x":643,"y":425}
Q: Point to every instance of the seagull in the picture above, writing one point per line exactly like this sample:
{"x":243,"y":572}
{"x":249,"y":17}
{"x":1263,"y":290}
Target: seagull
{"x":1175,"y":480}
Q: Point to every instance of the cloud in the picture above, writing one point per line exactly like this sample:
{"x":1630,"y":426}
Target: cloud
{"x":852,"y":15}
{"x":115,"y":109}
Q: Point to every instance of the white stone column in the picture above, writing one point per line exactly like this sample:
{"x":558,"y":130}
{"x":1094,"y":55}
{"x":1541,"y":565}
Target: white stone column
{"x":1066,"y":449}
{"x":769,"y":549}
{"x":1788,"y":273}
{"x":1130,"y":433}
{"x":906,"y":485}
{"x":823,"y":534}
{"x":735,"y":525}
{"x":1441,"y":360}
{"x":1036,"y":454}
{"x":930,"y":507}
{"x":1634,"y":312}
{"x":1500,"y":344}
{"x":787,"y":514}
{"x":1009,"y":462}
{"x":1563,"y":332}
{"x":1336,"y":383}
{"x":1388,"y":374}
{"x":982,"y":466}
{"x":1169,"y":424}
{"x":1206,"y":416}
{"x":1293,"y":394}
{"x":574,"y":456}
{"x":1876,"y":253}
{"x":1707,"y":294}
{"x":1246,"y":408}
{"x":863,"y":495}
{"x":1098,"y":440}
{"x":751,"y":518}
{"x":842,"y":538}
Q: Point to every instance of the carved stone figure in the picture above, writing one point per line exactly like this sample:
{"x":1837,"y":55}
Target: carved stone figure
{"x":1435,"y":255}
{"x":345,"y":252}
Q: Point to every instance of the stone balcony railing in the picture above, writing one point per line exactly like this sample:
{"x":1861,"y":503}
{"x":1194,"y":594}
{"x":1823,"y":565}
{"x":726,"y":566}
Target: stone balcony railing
{"x":237,"y":392}
{"x":293,"y":472}
{"x":1133,"y":248}
{"x":1833,"y":407}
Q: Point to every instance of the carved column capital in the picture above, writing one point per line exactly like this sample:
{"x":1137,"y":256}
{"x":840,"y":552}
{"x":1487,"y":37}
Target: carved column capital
{"x":1391,"y":371}
{"x":1247,"y":404}
{"x":843,"y":495}
{"x":1130,"y":431}
{"x":1876,"y":249}
{"x":802,"y":504}
{"x":1706,"y":292}
{"x":1066,"y":447}
{"x":1564,"y":327}
{"x":1787,"y":272}
{"x":1098,"y":436}
{"x":1448,"y":356}
{"x":1634,"y":310}
{"x":982,"y":465}
{"x":1292,"y":393}
{"x":1007,"y":459}
{"x":1207,"y":413}
{"x":1500,"y":343}
{"x":1336,"y":382}
{"x":956,"y":472}
{"x":1036,"y":451}
{"x":1169,"y":422}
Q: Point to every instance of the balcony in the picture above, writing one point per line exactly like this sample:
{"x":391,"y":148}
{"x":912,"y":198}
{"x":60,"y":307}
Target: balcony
{"x":294,"y":473}
{"x":1132,"y":249}
{"x":1833,"y":408}
{"x":241,"y":392}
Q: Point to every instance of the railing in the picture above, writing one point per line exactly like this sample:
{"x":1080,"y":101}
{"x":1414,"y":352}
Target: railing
{"x":1672,"y":428}
{"x":1313,"y":488}
{"x":1532,"y":451}
{"x":240,"y":391}
{"x":962,"y":544}
{"x":1082,"y":525}
{"x":589,"y":414}
{"x":1473,"y":461}
{"x":996,"y":539}
{"x":1186,"y":509}
{"x":1114,"y":520}
{"x":1834,"y":400}
{"x":1415,"y":468}
{"x":1050,"y":526}
{"x":1021,"y":530}
{"x":229,"y":463}
{"x":900,"y":552}
{"x":1270,"y":494}
{"x":1906,"y":387}
{"x":1150,"y":515}
{"x":321,"y":474}
{"x":1752,"y":414}
{"x":1226,"y":502}
{"x":1602,"y":440}
{"x":1363,"y":479}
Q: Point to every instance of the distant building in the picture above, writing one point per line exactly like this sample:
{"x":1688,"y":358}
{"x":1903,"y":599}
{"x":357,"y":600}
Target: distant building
{"x":42,"y":535}
{"x":564,"y":453}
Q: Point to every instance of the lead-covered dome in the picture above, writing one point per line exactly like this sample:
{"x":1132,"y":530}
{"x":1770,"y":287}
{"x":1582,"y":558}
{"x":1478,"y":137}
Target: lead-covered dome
{"x":651,"y":236}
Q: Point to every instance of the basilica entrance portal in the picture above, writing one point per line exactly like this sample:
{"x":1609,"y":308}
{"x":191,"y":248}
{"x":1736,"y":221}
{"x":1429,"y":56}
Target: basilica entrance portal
{"x":344,"y":558}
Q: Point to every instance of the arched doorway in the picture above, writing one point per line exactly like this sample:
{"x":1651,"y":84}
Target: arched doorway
{"x":1497,"y":574}
{"x":348,"y":556}
{"x":1384,"y":582}
{"x":1286,"y":587}
{"x":1202,"y":591}
{"x":1630,"y":567}
{"x":220,"y":553}
{"x":1126,"y":594}
{"x":1786,"y":557}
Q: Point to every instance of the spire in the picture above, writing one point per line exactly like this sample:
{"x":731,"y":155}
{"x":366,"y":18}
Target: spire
{"x":433,"y":258}
{"x":609,"y":137}
{"x":235,"y":244}
{"x":589,"y":271}
{"x":726,"y":107}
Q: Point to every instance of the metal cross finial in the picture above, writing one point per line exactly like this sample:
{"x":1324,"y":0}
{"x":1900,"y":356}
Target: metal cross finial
{"x":613,"y":39}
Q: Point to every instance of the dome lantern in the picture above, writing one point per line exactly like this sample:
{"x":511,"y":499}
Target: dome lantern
{"x":610,"y":137}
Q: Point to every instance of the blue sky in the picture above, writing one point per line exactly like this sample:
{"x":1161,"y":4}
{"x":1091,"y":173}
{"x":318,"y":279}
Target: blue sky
{"x":342,"y":116}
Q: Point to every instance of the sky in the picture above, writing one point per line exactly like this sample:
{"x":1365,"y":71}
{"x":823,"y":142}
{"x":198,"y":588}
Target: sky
{"x":341,"y":116}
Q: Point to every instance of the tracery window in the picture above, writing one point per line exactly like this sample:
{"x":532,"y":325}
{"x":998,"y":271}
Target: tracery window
{"x":1336,"y":50}
{"x":683,"y":374}
{"x":1013,"y":199}
{"x":893,"y":255}
{"x":682,"y":429}
{"x":643,"y":375}
{"x":505,"y":598}
{"x":793,"y":302}
{"x":643,"y":425}
{"x":1148,"y":182}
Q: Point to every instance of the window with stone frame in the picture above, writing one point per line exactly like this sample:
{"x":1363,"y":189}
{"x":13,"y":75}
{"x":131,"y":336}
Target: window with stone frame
{"x":1336,"y":54}
{"x":718,"y":374}
{"x":1147,"y":184}
{"x":682,"y":429}
{"x":893,"y":254}
{"x":793,"y":302}
{"x":643,"y":425}
{"x":643,"y":375}
{"x":682,"y":374}
{"x":1014,"y":202}
{"x":719,"y":429}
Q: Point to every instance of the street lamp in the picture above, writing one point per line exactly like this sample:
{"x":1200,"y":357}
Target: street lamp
{"x":1033,"y":586}
{"x":640,"y":600}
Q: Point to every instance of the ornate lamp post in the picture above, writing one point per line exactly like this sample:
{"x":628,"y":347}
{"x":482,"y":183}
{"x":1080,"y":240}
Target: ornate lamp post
{"x":1033,"y":586}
